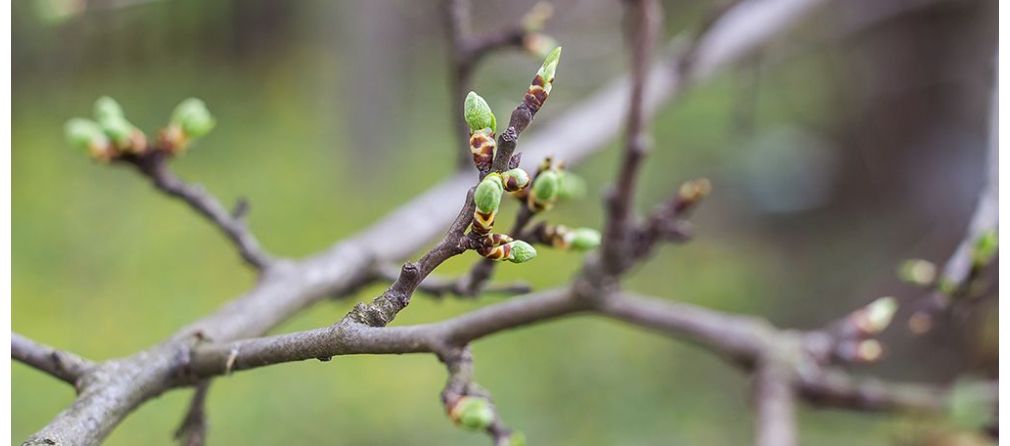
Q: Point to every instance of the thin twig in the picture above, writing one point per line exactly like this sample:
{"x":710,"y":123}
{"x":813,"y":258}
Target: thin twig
{"x":193,"y":430}
{"x":60,"y":364}
{"x":154,"y":165}
{"x":642,"y":25}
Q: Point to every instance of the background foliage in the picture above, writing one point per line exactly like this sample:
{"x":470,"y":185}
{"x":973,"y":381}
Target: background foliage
{"x":832,"y":160}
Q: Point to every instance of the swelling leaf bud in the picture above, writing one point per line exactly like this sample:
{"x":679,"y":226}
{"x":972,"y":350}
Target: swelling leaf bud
{"x":488,"y":194}
{"x":472,"y":413}
{"x":584,"y":239}
{"x":123,"y":134}
{"x":478,"y":114}
{"x":521,"y":252}
{"x":549,"y":67}
{"x":515,"y":179}
{"x":516,"y":439}
{"x":545,"y":190}
{"x":87,"y":135}
{"x":106,"y":107}
{"x":572,"y":186}
{"x":192,"y":116}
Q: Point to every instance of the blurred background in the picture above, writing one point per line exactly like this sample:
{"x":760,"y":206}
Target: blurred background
{"x":856,"y":141}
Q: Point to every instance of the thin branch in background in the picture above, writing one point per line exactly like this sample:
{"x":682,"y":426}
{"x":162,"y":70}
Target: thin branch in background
{"x":193,"y":429}
{"x":59,"y":364}
{"x":154,"y":165}
{"x":642,"y":23}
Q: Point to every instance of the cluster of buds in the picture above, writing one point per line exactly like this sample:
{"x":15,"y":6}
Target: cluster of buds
{"x":110,"y":135}
{"x":860,"y":328}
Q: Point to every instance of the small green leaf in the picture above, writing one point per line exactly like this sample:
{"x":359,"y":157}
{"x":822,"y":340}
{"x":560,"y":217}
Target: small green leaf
{"x":478,"y":114}
{"x":521,"y":252}
{"x":550,"y":65}
{"x":487,"y":197}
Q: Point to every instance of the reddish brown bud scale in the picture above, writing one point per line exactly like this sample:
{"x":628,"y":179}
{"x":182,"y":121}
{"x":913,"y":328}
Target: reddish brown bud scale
{"x":483,"y":222}
{"x":535,"y":96}
{"x":482,"y":147}
{"x":496,"y":252}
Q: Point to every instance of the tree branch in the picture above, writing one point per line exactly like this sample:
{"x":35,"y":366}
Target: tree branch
{"x":117,"y":387}
{"x":59,"y":364}
{"x":154,"y":165}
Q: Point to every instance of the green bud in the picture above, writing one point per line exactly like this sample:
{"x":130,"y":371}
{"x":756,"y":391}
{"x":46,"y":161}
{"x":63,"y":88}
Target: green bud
{"x":571,"y":186}
{"x":515,"y":179}
{"x":986,"y":247}
{"x":545,"y":188}
{"x":109,"y":115}
{"x":473,"y":413}
{"x":478,"y":114}
{"x":118,"y":129}
{"x":584,"y":239}
{"x":516,"y":439}
{"x":193,"y":117}
{"x":917,"y":272}
{"x":487,"y":197}
{"x":878,"y":314}
{"x":106,"y":107}
{"x":84,"y":134}
{"x":549,"y":67}
{"x":521,"y":252}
